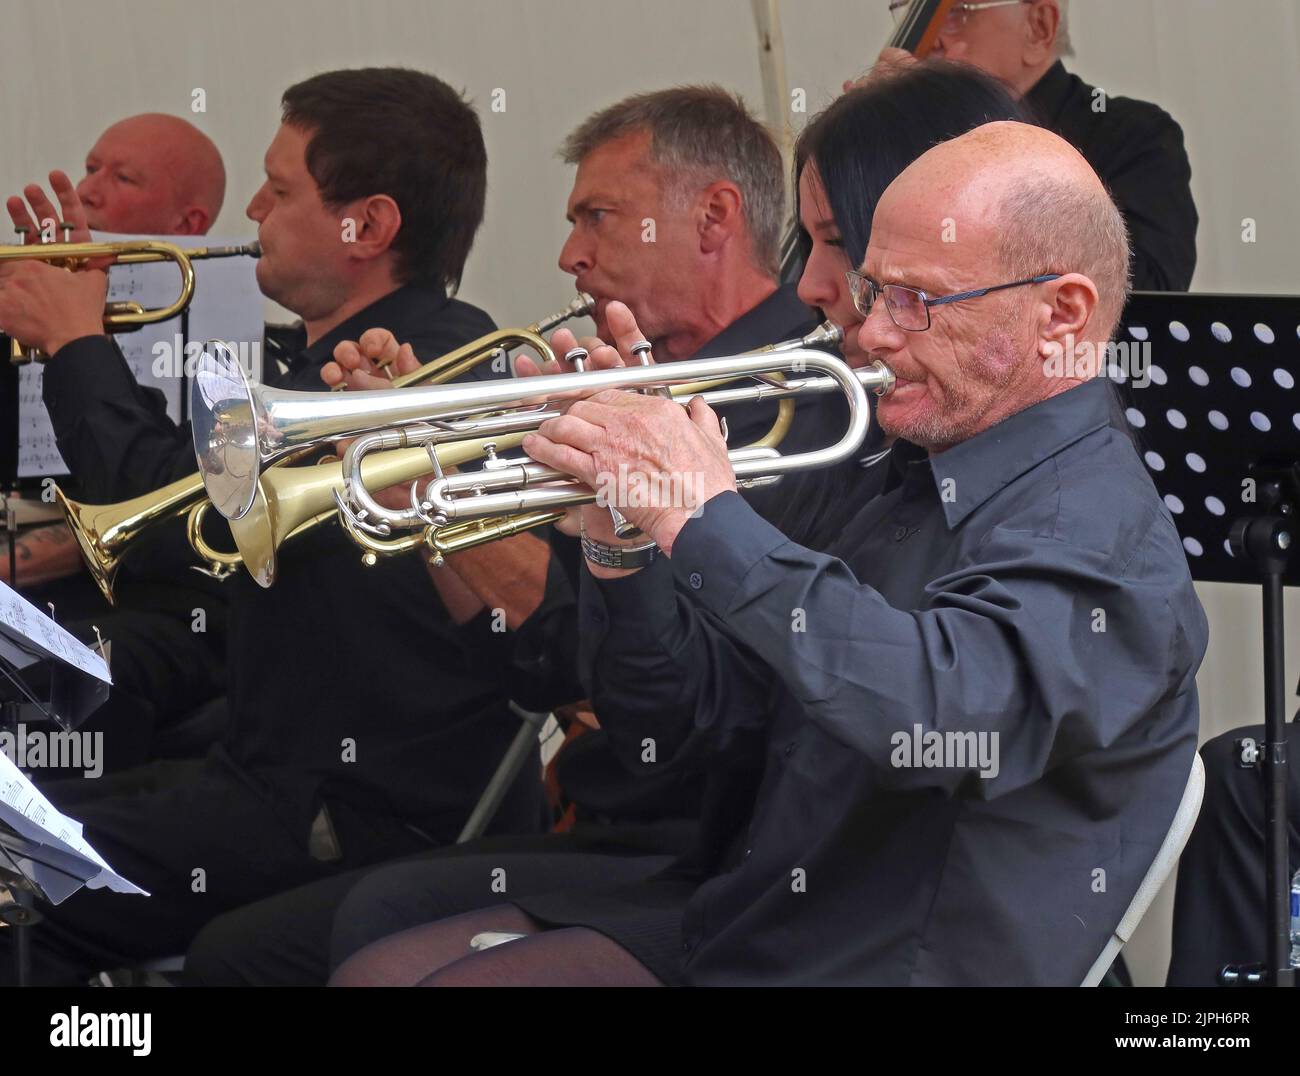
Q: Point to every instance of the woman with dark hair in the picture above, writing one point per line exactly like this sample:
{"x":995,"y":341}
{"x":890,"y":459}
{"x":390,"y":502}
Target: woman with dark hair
{"x":844,"y":159}
{"x":852,"y":150}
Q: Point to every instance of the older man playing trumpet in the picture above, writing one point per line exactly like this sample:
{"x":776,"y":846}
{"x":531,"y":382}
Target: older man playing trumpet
{"x":946,"y":751}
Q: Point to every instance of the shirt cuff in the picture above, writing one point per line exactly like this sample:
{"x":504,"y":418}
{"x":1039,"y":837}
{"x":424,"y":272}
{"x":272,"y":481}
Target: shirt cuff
{"x":715,"y":551}
{"x":643,"y":601}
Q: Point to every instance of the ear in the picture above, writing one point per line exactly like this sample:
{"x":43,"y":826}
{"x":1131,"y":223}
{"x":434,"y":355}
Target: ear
{"x":723,"y":215}
{"x":194,"y":221}
{"x":1040,"y":32}
{"x":1064,"y":315}
{"x":375,"y":223}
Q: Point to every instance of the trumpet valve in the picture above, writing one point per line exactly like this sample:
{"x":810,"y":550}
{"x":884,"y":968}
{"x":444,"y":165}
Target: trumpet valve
{"x":493,"y":461}
{"x":642,"y":351}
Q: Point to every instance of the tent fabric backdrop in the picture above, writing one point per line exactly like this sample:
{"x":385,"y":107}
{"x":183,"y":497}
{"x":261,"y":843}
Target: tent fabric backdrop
{"x":1228,"y":72}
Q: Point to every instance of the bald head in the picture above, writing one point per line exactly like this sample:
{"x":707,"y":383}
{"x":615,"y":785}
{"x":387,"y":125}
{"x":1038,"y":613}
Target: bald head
{"x":153,"y":173}
{"x":1028,"y":198}
{"x":991,"y":213}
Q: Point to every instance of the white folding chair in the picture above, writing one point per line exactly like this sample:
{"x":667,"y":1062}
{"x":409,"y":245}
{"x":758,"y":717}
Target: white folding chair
{"x":1161,"y":867}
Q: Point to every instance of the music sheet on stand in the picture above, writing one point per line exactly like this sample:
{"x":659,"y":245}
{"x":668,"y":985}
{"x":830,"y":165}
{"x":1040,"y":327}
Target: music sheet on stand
{"x":63,"y":860}
{"x":227,"y":305}
{"x":31,"y":629}
{"x":50,"y":848}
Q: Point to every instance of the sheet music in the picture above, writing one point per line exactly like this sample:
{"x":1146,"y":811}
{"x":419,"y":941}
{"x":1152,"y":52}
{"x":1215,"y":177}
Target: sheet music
{"x":227,"y":305}
{"x":66,"y":860}
{"x":23,"y":622}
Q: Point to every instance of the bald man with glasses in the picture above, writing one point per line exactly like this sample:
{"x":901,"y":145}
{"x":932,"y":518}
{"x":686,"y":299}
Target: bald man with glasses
{"x":1135,"y":147}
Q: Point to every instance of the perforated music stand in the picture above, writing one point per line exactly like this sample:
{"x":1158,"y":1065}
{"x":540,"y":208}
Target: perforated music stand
{"x":1218,"y":426}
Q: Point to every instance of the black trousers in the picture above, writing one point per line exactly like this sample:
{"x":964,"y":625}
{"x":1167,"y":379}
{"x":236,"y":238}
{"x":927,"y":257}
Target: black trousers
{"x":203,"y":836}
{"x":298,"y":938}
{"x":1219,"y":904}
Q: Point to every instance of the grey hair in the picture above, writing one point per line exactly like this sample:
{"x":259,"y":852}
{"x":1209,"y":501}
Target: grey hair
{"x":1064,"y":47}
{"x":699,"y":135}
{"x":1049,"y":226}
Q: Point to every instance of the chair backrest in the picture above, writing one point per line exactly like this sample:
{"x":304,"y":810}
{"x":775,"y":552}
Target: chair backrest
{"x":1161,"y":867}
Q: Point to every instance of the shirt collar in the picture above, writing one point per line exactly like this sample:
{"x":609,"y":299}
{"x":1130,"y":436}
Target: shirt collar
{"x":777,"y":318}
{"x":970,"y":473}
{"x":394,"y":311}
{"x":1048,"y":95}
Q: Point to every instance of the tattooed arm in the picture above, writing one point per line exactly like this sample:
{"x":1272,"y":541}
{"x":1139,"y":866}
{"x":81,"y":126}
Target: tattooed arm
{"x":44,"y":555}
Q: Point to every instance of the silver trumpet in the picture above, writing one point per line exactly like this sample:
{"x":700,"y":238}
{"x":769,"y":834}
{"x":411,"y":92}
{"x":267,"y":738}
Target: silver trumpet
{"x":240,"y":429}
{"x":361,"y":512}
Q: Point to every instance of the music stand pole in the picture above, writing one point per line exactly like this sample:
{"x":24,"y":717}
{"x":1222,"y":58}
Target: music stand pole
{"x":1267,"y":541}
{"x":11,"y":529}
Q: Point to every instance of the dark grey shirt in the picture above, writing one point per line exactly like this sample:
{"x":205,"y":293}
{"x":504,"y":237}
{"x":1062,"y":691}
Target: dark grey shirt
{"x":946,"y":751}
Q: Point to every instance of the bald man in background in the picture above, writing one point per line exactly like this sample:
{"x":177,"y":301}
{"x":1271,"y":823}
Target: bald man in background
{"x":946,"y":775}
{"x":151,"y":174}
{"x":1134,"y":146}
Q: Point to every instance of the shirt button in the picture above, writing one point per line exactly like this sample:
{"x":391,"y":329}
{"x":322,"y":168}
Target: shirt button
{"x":900,"y":533}
{"x":790,"y":749}
{"x":696,"y":581}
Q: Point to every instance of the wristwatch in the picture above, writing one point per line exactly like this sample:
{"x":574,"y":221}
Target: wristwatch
{"x":618,"y":556}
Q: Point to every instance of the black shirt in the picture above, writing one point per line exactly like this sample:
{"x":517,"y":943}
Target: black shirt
{"x":344,"y":682}
{"x":546,"y":644}
{"x":1022,"y":596}
{"x":1137,"y":149}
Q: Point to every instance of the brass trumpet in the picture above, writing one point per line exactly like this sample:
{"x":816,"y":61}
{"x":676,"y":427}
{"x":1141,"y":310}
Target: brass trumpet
{"x":240,"y":429}
{"x":105,"y":531}
{"x":291,"y":500}
{"x":120,"y":316}
{"x":499,"y":343}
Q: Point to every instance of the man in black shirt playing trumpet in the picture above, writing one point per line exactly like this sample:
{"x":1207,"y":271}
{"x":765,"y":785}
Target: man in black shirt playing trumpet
{"x":374,"y":192}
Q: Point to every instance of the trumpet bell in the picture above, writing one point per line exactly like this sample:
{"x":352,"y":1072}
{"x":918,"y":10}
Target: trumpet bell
{"x":101,"y":562}
{"x":225,"y":413}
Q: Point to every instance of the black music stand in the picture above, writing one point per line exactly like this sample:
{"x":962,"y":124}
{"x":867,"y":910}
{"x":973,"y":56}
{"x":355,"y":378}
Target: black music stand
{"x":1217,"y":417}
{"x":9,"y":448}
{"x":37,"y":683}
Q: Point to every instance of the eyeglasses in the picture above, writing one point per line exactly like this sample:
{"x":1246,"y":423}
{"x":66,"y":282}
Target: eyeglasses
{"x":909,"y":308}
{"x":957,"y":14}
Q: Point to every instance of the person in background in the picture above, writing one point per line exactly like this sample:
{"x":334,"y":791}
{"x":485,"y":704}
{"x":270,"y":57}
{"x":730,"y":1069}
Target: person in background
{"x":1134,"y":146}
{"x":151,"y":174}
